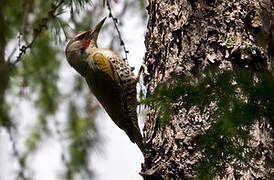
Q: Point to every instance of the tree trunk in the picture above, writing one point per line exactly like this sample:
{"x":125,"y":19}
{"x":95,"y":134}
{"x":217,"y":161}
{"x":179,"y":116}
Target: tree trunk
{"x":185,"y":37}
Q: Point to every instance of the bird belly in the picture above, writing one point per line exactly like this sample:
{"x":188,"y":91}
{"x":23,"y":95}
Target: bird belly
{"x":109,"y":94}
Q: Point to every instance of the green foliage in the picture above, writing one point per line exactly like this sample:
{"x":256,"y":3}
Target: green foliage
{"x":82,"y":141}
{"x":242,"y":98}
{"x":4,"y":116}
{"x":33,"y":139}
{"x":39,"y":71}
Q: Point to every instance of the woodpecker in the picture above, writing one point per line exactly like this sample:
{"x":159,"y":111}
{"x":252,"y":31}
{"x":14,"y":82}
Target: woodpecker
{"x":109,"y":78}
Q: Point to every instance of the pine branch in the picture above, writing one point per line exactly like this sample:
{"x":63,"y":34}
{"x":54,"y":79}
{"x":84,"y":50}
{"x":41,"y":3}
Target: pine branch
{"x":37,"y":31}
{"x":115,"y":22}
{"x":21,"y":160}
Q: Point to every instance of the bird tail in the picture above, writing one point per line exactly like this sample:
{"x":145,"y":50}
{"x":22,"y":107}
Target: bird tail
{"x":136,"y":137}
{"x":139,"y":141}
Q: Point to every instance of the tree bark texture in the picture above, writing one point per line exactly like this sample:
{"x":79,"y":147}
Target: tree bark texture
{"x":184,"y":37}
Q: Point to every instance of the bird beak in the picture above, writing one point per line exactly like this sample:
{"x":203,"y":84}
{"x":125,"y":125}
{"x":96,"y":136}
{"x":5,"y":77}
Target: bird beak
{"x":97,"y":29}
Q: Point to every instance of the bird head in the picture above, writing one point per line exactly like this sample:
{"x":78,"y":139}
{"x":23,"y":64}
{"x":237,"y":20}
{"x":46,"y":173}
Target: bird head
{"x":75,"y":49}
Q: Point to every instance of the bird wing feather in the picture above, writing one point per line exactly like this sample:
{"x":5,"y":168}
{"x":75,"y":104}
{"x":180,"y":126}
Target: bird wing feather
{"x":117,"y":69}
{"x":101,"y":62}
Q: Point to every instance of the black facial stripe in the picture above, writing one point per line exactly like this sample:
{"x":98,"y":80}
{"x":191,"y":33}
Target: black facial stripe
{"x":81,"y":37}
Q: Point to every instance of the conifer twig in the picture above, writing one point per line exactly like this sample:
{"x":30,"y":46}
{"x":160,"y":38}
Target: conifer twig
{"x":115,"y":22}
{"x":37,"y":31}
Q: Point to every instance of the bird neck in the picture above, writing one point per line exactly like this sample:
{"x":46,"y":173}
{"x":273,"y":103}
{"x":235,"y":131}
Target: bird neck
{"x":93,"y":44}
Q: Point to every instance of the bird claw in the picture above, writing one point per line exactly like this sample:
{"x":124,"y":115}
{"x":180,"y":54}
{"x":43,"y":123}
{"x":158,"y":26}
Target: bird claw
{"x":143,"y":69}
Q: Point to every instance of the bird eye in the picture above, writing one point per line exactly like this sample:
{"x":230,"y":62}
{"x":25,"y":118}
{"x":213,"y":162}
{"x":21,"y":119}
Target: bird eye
{"x":81,"y":37}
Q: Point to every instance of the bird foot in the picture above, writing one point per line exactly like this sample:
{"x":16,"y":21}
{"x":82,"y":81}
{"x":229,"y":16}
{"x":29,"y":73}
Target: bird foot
{"x":143,"y":69}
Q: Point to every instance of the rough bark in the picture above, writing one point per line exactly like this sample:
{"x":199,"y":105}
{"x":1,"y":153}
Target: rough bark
{"x":184,"y":37}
